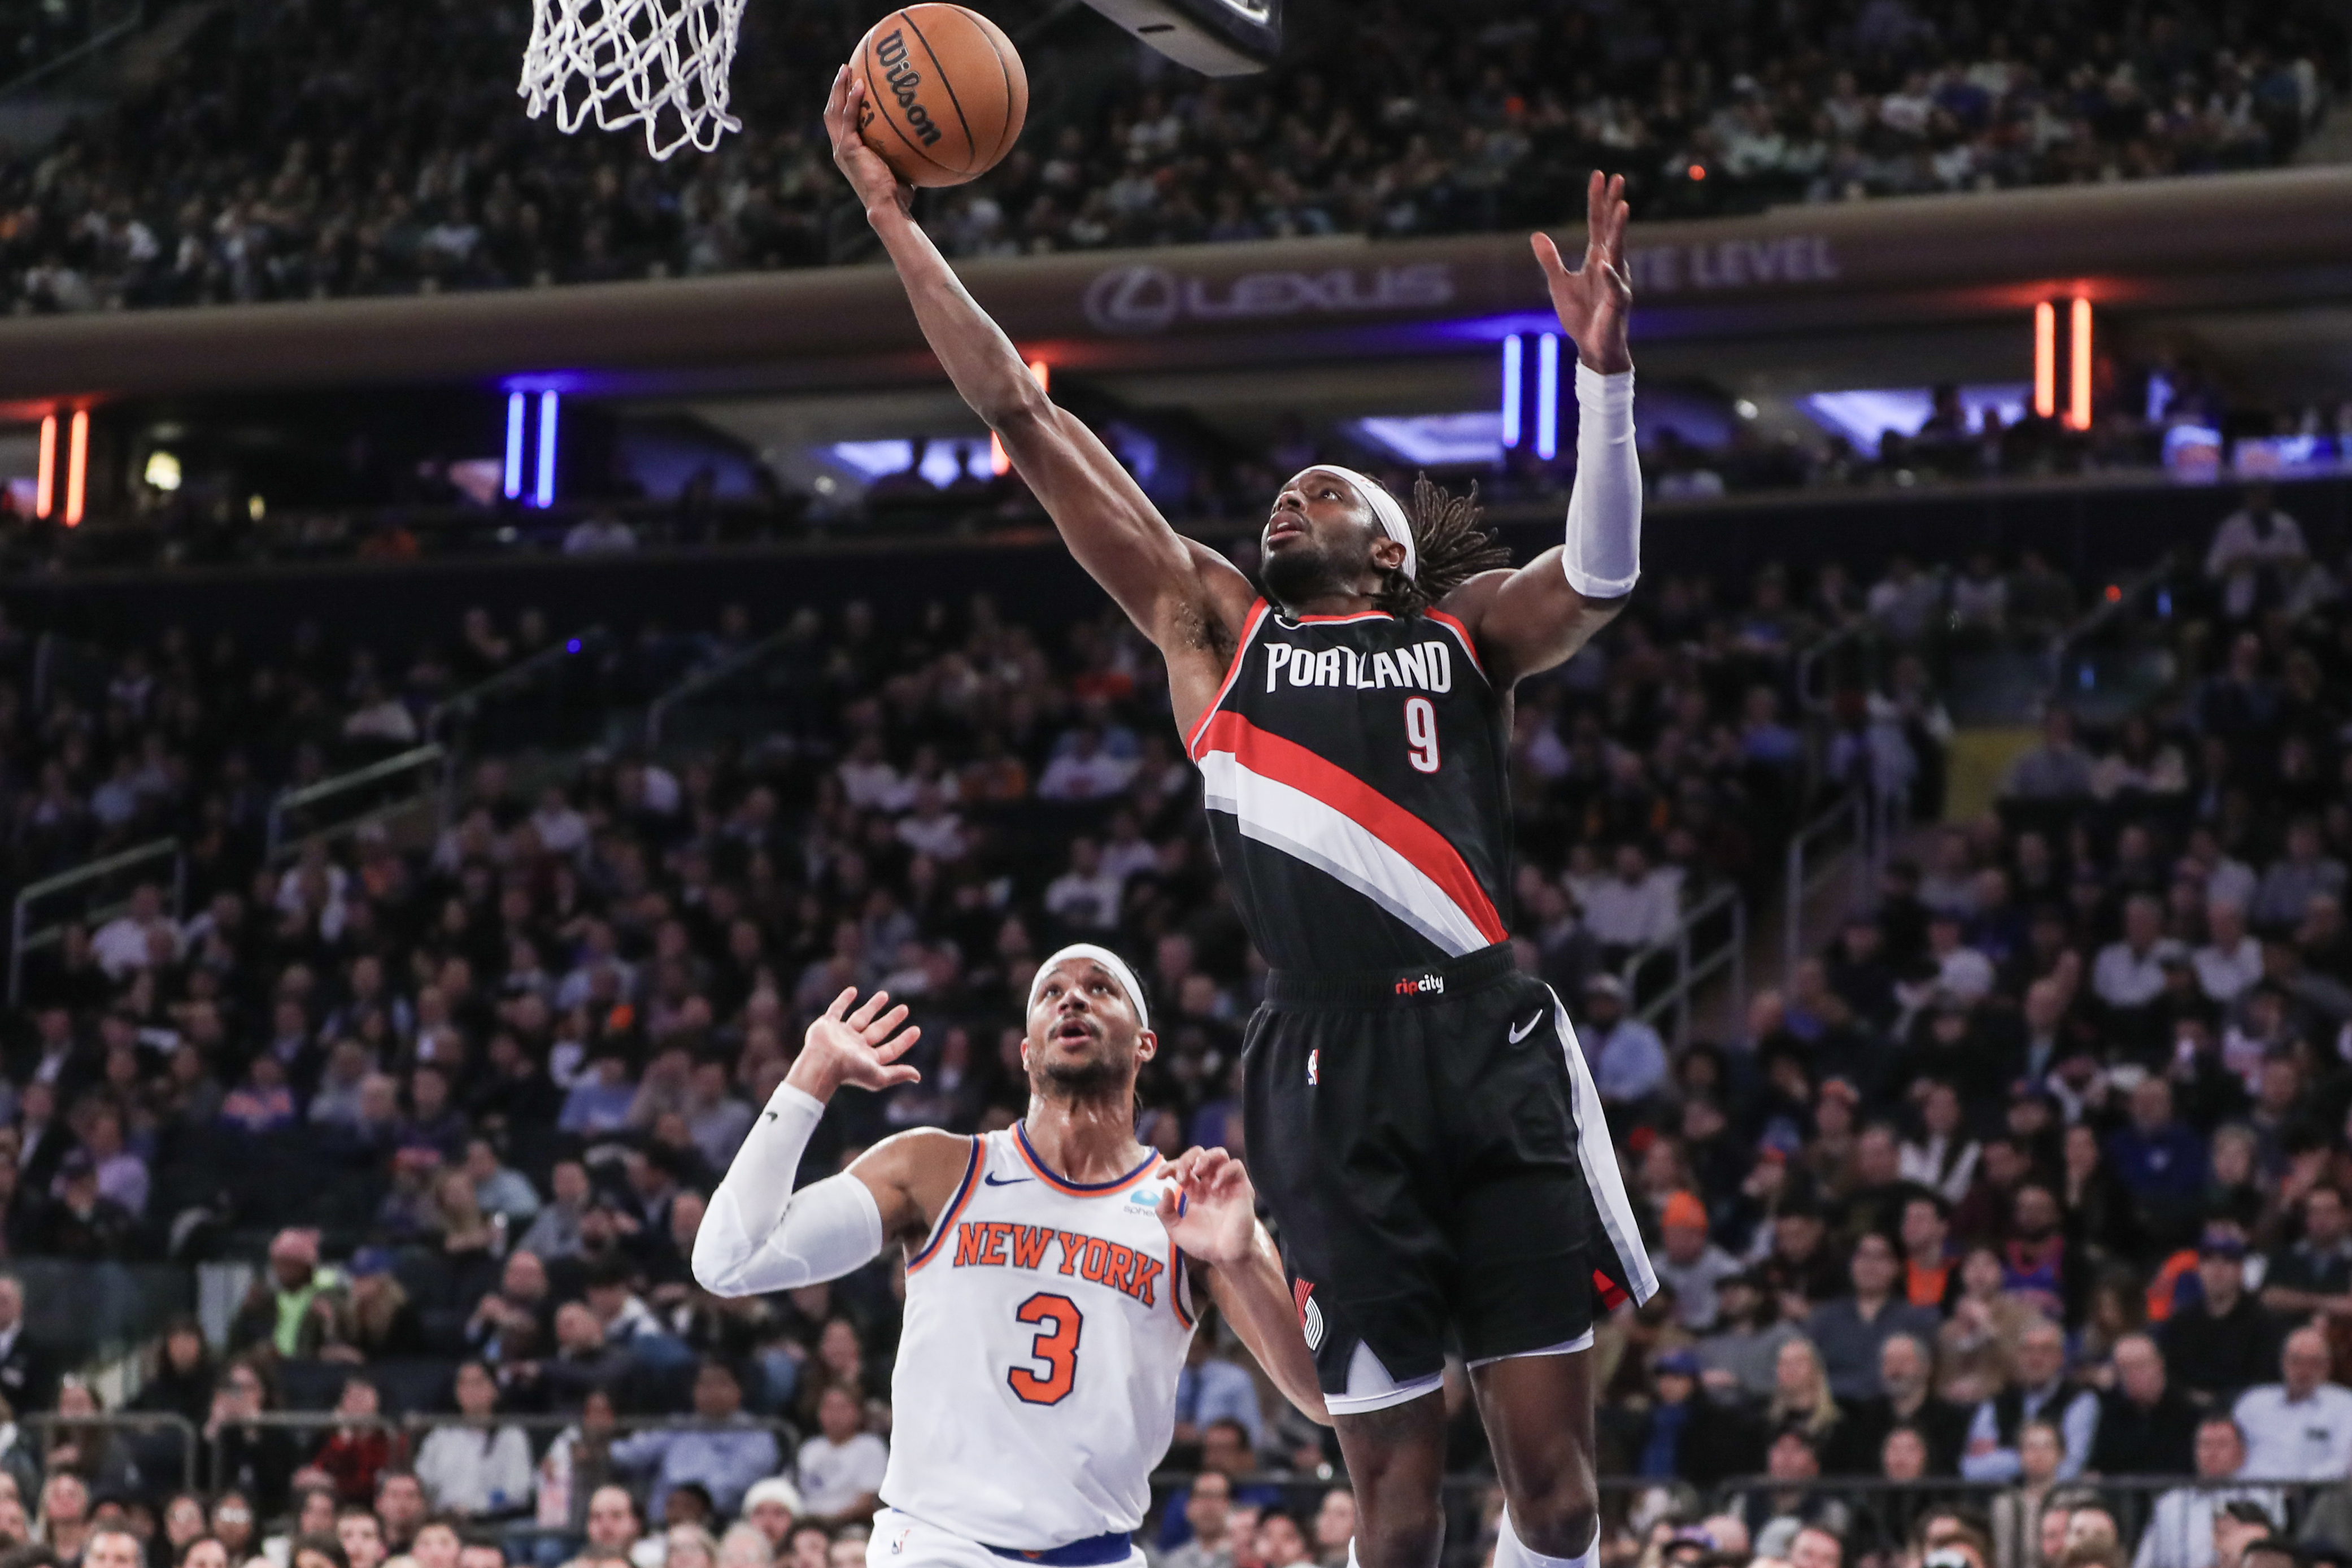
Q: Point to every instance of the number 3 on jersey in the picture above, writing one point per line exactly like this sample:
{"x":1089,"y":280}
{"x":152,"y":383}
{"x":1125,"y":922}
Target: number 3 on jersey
{"x":1421,"y":734}
{"x":1057,"y":1321}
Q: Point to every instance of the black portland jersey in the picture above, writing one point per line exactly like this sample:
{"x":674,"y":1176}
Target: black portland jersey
{"x":1356,"y":774}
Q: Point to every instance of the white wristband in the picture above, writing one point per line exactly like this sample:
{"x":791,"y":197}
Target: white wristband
{"x":1604,"y":550}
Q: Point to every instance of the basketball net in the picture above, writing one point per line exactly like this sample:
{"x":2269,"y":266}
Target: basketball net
{"x":661,"y":64}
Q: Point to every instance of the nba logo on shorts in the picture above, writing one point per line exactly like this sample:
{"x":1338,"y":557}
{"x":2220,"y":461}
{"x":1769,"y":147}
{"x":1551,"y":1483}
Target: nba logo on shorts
{"x":1314,"y":1066}
{"x":898,"y":1546}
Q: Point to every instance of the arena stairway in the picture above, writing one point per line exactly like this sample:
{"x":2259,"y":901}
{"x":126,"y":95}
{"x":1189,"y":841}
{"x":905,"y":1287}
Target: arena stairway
{"x":123,"y":58}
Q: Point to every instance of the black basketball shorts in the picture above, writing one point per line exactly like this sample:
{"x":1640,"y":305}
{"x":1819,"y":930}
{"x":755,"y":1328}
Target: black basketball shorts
{"x":1438,"y":1164}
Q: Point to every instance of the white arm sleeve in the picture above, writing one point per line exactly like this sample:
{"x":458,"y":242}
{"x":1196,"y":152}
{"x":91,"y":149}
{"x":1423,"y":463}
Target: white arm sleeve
{"x":1604,"y":508}
{"x":759,"y":1234}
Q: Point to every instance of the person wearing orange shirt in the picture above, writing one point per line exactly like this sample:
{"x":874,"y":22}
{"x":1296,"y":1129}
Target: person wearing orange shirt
{"x":1928,"y":1262}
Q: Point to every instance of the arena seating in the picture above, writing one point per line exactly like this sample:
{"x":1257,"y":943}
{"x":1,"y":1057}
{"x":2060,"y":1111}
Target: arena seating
{"x":365,"y":1051}
{"x":391,"y":980}
{"x":2081,"y":1057}
{"x":465,"y":1081}
{"x":264,"y":167}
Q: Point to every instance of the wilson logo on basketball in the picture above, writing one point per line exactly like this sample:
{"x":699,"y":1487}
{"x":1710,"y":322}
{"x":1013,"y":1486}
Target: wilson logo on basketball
{"x":903,"y":78}
{"x":943,"y":92}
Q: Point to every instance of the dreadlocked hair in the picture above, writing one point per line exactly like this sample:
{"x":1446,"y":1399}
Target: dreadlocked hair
{"x":1452,"y":544}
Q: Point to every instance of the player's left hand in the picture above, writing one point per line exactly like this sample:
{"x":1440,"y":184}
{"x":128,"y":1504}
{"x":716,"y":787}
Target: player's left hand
{"x":1210,"y":1208}
{"x":867,"y":175}
{"x":1595,"y":300}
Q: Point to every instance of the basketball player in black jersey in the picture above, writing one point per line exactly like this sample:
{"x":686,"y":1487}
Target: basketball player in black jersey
{"x":1418,"y":1116}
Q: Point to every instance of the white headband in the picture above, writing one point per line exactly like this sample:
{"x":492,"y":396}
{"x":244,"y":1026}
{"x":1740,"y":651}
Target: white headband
{"x":1109,"y":960}
{"x":1387,"y":511}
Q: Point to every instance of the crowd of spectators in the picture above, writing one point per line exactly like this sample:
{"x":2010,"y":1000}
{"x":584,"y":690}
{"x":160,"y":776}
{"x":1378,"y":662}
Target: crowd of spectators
{"x":327,"y":148}
{"x":2036,"y":1177}
{"x":458,"y":1091}
{"x":2037,"y":1174}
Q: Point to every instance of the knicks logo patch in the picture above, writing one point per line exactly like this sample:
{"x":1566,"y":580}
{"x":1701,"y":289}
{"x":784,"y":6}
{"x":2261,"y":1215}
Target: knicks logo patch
{"x":1310,"y":1313}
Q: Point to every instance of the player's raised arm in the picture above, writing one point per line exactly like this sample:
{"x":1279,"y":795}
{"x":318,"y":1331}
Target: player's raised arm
{"x":1536,"y":617}
{"x":759,"y":1234}
{"x":1182,"y":595}
{"x":1211,"y":1212}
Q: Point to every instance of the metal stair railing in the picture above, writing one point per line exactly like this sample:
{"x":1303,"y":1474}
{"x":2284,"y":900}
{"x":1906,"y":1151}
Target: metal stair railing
{"x":657,"y":715}
{"x":1817,"y":856}
{"x":45,"y":1429}
{"x":23,"y":938}
{"x":2125,"y":598}
{"x":1692,"y":967}
{"x":514,"y":678}
{"x":103,"y":33}
{"x":277,"y":843}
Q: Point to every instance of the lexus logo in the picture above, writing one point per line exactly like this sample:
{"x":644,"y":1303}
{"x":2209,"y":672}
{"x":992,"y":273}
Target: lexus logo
{"x":1143,"y":299}
{"x":1138,"y":299}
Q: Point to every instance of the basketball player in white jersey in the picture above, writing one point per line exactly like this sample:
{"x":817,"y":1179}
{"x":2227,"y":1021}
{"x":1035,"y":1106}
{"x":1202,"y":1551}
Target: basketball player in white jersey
{"x":1052,"y":1276}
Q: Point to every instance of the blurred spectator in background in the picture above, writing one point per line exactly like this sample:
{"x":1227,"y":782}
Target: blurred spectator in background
{"x":1628,"y":1059}
{"x":2300,"y":1428}
{"x":1212,"y":1388}
{"x":839,"y":1470}
{"x":725,"y":1456}
{"x":2147,"y":1427}
{"x":1852,"y":1329}
{"x":1691,"y":1263}
{"x":291,"y":1307}
{"x":2221,"y":1342}
{"x":2255,"y":552}
{"x":2180,"y":1532}
{"x":1208,"y":1510}
{"x":479,"y":1470}
{"x":2056,"y":770}
{"x":600,"y":533}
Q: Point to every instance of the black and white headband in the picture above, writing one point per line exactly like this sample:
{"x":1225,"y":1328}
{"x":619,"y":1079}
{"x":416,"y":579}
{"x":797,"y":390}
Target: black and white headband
{"x":1109,"y":960}
{"x":1387,"y":511}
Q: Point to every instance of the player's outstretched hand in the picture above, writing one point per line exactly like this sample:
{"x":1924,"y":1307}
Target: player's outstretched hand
{"x":866,"y":173}
{"x":861,"y":1048}
{"x":1595,"y":300}
{"x":1210,"y":1208}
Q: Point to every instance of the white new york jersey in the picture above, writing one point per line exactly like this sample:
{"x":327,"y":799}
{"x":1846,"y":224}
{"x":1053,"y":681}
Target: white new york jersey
{"x":1046,"y":1325}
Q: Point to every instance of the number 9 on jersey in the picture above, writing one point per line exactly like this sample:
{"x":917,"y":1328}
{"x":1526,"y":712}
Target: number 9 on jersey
{"x":1421,"y":734}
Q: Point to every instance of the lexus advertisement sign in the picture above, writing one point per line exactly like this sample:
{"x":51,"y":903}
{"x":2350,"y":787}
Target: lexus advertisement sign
{"x":2282,"y":236}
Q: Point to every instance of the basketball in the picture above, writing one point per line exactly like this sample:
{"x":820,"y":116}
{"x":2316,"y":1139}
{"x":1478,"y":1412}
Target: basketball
{"x":946,"y":93}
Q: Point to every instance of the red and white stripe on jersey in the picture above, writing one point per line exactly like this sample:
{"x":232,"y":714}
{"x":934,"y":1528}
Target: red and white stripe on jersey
{"x":1286,"y":798}
{"x":1258,"y":612}
{"x":1461,"y":635}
